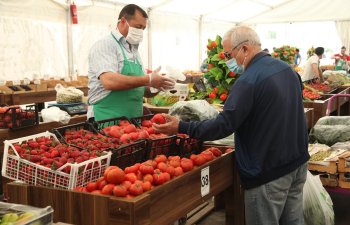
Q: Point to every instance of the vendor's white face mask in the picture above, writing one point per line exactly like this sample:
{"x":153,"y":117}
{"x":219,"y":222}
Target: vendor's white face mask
{"x":134,"y":36}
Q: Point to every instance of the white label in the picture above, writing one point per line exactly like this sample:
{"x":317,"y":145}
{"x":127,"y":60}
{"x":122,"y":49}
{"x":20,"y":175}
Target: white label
{"x":16,"y":82}
{"x":205,"y":181}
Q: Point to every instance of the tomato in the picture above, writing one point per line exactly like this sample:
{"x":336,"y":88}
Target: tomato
{"x":107,"y":170}
{"x":114,"y":131}
{"x":178,"y":171}
{"x":136,"y":189}
{"x":108,"y":189}
{"x":174,"y":163}
{"x":215,"y":90}
{"x":91,"y":186}
{"x":146,"y":186}
{"x":146,"y":123}
{"x":115,"y":176}
{"x":222,"y":55}
{"x":210,"y":66}
{"x":216,"y":152}
{"x":79,"y":188}
{"x":131,"y":177}
{"x":96,"y":192}
{"x":146,"y":168}
{"x":198,"y":160}
{"x":162,"y":166}
{"x":158,"y":119}
{"x":148,"y":177}
{"x":228,"y":150}
{"x":212,"y":95}
{"x":186,"y":164}
{"x":213,"y":44}
{"x":231,"y":74}
{"x":170,"y":170}
{"x":120,"y":191}
{"x":166,"y":176}
{"x":125,"y":139}
{"x":158,"y":178}
{"x":208,"y":155}
{"x":129,"y":129}
{"x":101,"y":184}
{"x":132,"y":169}
{"x":223,"y":97}
{"x":126,"y":184}
{"x":160,"y":158}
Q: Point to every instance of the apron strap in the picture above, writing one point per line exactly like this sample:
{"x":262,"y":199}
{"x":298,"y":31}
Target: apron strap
{"x":123,"y":52}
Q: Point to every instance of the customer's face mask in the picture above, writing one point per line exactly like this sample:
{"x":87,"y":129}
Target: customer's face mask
{"x":233,"y":66}
{"x":134,"y":36}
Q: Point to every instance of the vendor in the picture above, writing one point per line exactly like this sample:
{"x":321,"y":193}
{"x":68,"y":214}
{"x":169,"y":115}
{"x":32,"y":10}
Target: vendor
{"x":312,"y":69}
{"x":117,"y":81}
{"x":342,"y":60}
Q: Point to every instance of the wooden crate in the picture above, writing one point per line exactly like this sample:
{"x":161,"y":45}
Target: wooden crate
{"x":329,"y":180}
{"x":309,"y":114}
{"x":323,"y":167}
{"x":320,"y":107}
{"x":162,"y":205}
{"x":344,"y":180}
{"x":344,"y":163}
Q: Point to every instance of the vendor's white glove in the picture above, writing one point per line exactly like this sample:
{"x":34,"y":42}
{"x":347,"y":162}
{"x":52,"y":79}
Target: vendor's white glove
{"x":158,"y":82}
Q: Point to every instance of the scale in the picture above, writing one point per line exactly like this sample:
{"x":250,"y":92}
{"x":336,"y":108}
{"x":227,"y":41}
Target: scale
{"x":71,"y":108}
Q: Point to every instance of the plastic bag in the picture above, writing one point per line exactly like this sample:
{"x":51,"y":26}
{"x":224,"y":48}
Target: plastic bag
{"x":318,"y":205}
{"x":195,"y":110}
{"x":330,"y":130}
{"x":68,"y":95}
{"x":55,"y":114}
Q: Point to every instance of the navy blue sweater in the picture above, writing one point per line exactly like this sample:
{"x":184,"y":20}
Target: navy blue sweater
{"x":266,"y":113}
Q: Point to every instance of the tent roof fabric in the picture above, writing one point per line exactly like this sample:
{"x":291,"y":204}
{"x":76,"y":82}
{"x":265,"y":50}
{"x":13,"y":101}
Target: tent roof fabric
{"x":246,"y":11}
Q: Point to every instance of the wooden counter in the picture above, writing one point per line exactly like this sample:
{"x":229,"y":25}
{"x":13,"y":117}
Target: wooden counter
{"x":32,"y":97}
{"x":309,"y":114}
{"x":161,"y":206}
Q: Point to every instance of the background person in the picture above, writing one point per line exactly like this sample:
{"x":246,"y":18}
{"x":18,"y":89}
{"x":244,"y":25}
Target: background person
{"x":312,"y":69}
{"x":341,"y":60}
{"x":265,"y":111}
{"x":297,"y":59}
{"x":117,"y":81}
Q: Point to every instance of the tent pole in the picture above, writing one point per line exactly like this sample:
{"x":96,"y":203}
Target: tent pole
{"x":70,"y":40}
{"x":200,"y":31}
{"x":149,"y":44}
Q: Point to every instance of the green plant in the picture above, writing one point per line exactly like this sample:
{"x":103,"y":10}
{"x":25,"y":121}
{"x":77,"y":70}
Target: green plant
{"x":285,"y":53}
{"x":219,"y":77}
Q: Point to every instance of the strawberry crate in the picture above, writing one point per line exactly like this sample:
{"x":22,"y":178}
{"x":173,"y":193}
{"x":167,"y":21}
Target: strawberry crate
{"x":162,"y":146}
{"x":16,"y":117}
{"x":84,"y":135}
{"x":67,"y":176}
{"x":128,"y":155}
{"x":187,"y":145}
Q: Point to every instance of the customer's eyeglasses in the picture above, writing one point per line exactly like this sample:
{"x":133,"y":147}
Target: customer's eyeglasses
{"x":228,"y":54}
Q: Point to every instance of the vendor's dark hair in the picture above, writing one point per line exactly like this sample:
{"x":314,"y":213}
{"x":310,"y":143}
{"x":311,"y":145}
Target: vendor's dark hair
{"x":319,"y":51}
{"x":129,"y":12}
{"x":343,"y":47}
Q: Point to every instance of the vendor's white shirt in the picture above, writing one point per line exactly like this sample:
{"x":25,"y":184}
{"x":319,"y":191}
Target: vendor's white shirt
{"x":308,"y":73}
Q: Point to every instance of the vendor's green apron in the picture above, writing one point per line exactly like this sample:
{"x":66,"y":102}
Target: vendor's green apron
{"x":119,"y":103}
{"x":340,"y":64}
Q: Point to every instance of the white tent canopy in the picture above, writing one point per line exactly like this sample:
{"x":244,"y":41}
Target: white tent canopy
{"x":37,"y":37}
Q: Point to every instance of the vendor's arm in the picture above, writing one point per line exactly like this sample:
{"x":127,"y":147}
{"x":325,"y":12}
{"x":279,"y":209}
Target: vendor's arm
{"x":237,"y":107}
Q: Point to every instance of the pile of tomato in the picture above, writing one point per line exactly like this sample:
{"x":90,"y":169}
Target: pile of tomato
{"x":142,"y":177}
{"x":310,"y":95}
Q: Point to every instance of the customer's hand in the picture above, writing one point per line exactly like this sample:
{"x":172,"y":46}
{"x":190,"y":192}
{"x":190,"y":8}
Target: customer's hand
{"x":170,"y":127}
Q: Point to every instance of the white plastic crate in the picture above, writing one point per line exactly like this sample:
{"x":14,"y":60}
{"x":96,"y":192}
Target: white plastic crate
{"x":16,"y":168}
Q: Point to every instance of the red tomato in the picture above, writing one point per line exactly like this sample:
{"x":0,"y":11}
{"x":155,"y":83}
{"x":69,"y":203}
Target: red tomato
{"x":222,"y":55}
{"x":101,"y":184}
{"x":146,"y":186}
{"x":96,"y":192}
{"x":170,"y":170}
{"x":107,"y":189}
{"x":228,"y":150}
{"x":91,"y":186}
{"x":186,"y":164}
{"x":198,"y":160}
{"x":166,"y":176}
{"x":146,"y":123}
{"x":178,"y":171}
{"x":215,"y":90}
{"x":120,"y":191}
{"x":210,"y":66}
{"x":162,"y":166}
{"x":160,"y":158}
{"x":131,"y":169}
{"x":213,"y":44}
{"x":129,"y":129}
{"x":208,"y":155}
{"x":174,"y":163}
{"x":126,"y":184}
{"x":146,"y":168}
{"x":148,"y":177}
{"x":131,"y":177}
{"x":158,"y":118}
{"x":158,"y":178}
{"x":215,"y":151}
{"x":136,"y":189}
{"x":108,"y":169}
{"x":231,"y":74}
{"x":115,"y":176}
{"x":223,"y":97}
{"x":212,"y":95}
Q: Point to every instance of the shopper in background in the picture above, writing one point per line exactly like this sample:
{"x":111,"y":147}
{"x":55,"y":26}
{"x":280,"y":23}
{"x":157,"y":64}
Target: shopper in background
{"x":312,"y":71}
{"x":297,"y":59}
{"x":265,"y":111}
{"x":117,"y":81}
{"x":266,"y":50}
{"x":342,"y":60}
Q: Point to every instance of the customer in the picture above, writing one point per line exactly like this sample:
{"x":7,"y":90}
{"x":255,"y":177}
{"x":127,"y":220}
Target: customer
{"x":297,"y":59}
{"x":312,"y":71}
{"x":116,"y":76}
{"x":265,"y":111}
{"x":342,"y":60}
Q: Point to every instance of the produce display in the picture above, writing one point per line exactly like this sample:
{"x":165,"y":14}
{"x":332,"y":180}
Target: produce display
{"x":42,"y":160}
{"x":16,"y":117}
{"x":309,"y":95}
{"x":337,"y":79}
{"x":15,"y":214}
{"x":285,"y":53}
{"x":142,"y":177}
{"x":320,"y":156}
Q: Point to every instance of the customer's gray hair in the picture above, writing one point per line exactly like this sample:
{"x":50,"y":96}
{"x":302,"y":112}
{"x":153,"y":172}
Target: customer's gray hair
{"x":240,"y":34}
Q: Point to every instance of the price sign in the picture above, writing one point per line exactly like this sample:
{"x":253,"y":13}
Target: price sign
{"x":205,"y":181}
